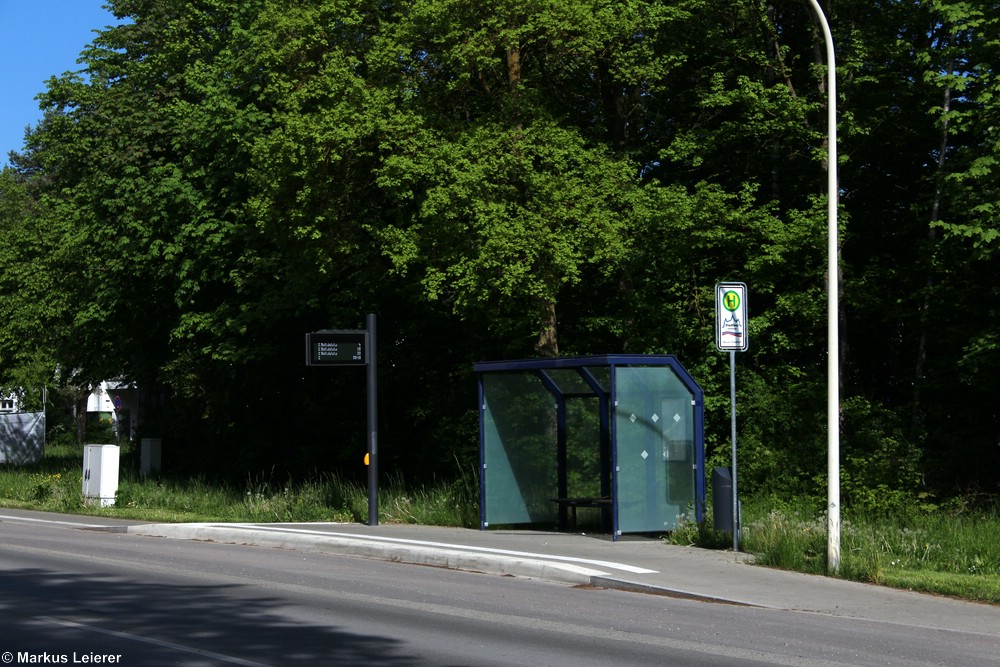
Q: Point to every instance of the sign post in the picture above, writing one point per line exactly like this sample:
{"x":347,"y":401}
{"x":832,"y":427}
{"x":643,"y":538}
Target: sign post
{"x":372,"y":456}
{"x":731,"y":336}
{"x":354,"y":347}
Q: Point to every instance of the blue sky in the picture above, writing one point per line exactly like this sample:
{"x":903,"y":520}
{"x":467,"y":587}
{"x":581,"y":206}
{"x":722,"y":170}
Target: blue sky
{"x":40,"y":39}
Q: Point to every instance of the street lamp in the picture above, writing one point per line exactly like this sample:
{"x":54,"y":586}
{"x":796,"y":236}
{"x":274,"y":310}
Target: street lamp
{"x":832,"y":314}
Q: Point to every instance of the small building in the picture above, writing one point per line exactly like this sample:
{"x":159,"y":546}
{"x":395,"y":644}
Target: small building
{"x":114,"y":405}
{"x":9,"y":403}
{"x":616,"y":436}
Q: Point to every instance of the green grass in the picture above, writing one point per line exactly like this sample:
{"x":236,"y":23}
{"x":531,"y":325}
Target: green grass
{"x":934,"y":552}
{"x":55,"y":484}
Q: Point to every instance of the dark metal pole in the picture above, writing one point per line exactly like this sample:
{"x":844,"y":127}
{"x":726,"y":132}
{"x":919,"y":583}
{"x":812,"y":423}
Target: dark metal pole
{"x":372,"y":422}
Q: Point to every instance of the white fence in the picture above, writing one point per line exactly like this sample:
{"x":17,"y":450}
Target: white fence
{"x":22,"y":437}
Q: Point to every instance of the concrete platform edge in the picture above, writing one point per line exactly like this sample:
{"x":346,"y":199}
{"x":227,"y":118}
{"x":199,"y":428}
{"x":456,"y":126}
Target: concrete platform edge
{"x":456,"y":559}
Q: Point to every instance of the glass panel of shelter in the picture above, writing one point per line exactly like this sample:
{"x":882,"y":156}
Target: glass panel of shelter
{"x":519,"y":448}
{"x":654,"y":432}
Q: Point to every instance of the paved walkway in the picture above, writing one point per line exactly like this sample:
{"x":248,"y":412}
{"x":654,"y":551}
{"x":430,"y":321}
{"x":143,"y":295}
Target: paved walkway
{"x":632,"y":563}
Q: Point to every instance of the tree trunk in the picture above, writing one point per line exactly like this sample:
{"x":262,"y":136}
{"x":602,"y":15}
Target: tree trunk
{"x":547,"y":344}
{"x":514,"y":68}
{"x":80,"y":407}
{"x":916,"y":423}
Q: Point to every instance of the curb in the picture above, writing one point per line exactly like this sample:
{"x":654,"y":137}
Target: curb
{"x":649,"y":589}
{"x":456,"y":559}
{"x":462,"y":558}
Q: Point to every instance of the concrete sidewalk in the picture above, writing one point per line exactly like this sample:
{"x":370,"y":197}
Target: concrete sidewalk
{"x":632,"y":563}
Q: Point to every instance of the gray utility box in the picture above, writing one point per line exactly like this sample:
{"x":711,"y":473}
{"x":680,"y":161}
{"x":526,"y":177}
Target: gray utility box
{"x":149,"y":456}
{"x":722,"y":500}
{"x":100,"y":474}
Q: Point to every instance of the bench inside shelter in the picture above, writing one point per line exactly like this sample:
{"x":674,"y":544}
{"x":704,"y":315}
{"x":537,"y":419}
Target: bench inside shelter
{"x":571,"y":504}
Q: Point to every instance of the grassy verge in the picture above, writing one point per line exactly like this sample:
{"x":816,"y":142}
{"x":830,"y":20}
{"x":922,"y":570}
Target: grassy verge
{"x":55,"y":484}
{"x":948,"y":554}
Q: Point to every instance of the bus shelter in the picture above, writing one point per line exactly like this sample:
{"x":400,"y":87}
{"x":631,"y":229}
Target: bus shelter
{"x":614,"y":439}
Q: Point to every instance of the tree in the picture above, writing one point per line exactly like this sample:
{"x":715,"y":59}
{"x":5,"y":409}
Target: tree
{"x":513,"y":179}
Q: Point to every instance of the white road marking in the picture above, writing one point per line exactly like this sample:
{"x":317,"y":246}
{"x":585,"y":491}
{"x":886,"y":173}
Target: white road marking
{"x":377,"y":538}
{"x":443,"y":545}
{"x":4,"y":517}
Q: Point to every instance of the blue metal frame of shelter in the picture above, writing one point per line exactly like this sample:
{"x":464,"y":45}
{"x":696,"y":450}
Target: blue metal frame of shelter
{"x":611,"y":485}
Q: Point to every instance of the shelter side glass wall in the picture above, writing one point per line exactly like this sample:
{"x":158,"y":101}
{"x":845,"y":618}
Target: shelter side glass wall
{"x":655,"y":432}
{"x":583,"y":448}
{"x":569,"y":381}
{"x":519,"y":450}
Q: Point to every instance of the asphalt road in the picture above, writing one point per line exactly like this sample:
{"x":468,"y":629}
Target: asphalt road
{"x":71,"y":596}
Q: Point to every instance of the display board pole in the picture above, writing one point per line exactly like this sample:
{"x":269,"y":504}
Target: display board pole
{"x":372,"y":423}
{"x":354,"y":347}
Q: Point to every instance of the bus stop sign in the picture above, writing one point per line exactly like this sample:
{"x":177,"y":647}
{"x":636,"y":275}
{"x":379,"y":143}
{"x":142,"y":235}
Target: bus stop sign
{"x":731,"y":317}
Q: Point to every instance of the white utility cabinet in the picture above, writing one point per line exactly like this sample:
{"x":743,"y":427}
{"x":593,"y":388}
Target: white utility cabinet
{"x":100,"y":474}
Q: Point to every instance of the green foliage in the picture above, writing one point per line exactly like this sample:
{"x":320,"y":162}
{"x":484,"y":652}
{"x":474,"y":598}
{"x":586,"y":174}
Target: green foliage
{"x":691,"y":534}
{"x":788,"y":541}
{"x":303,"y":502}
{"x":503,"y":180}
{"x":508,"y":218}
{"x":936,"y":552}
{"x":194,"y":499}
{"x":453,"y":503}
{"x":985,"y":588}
{"x":55,"y":485}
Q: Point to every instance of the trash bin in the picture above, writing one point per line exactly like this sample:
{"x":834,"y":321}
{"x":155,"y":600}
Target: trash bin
{"x":722,"y":500}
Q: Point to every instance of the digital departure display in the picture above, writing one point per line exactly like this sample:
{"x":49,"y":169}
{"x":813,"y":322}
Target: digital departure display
{"x":337,"y":348}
